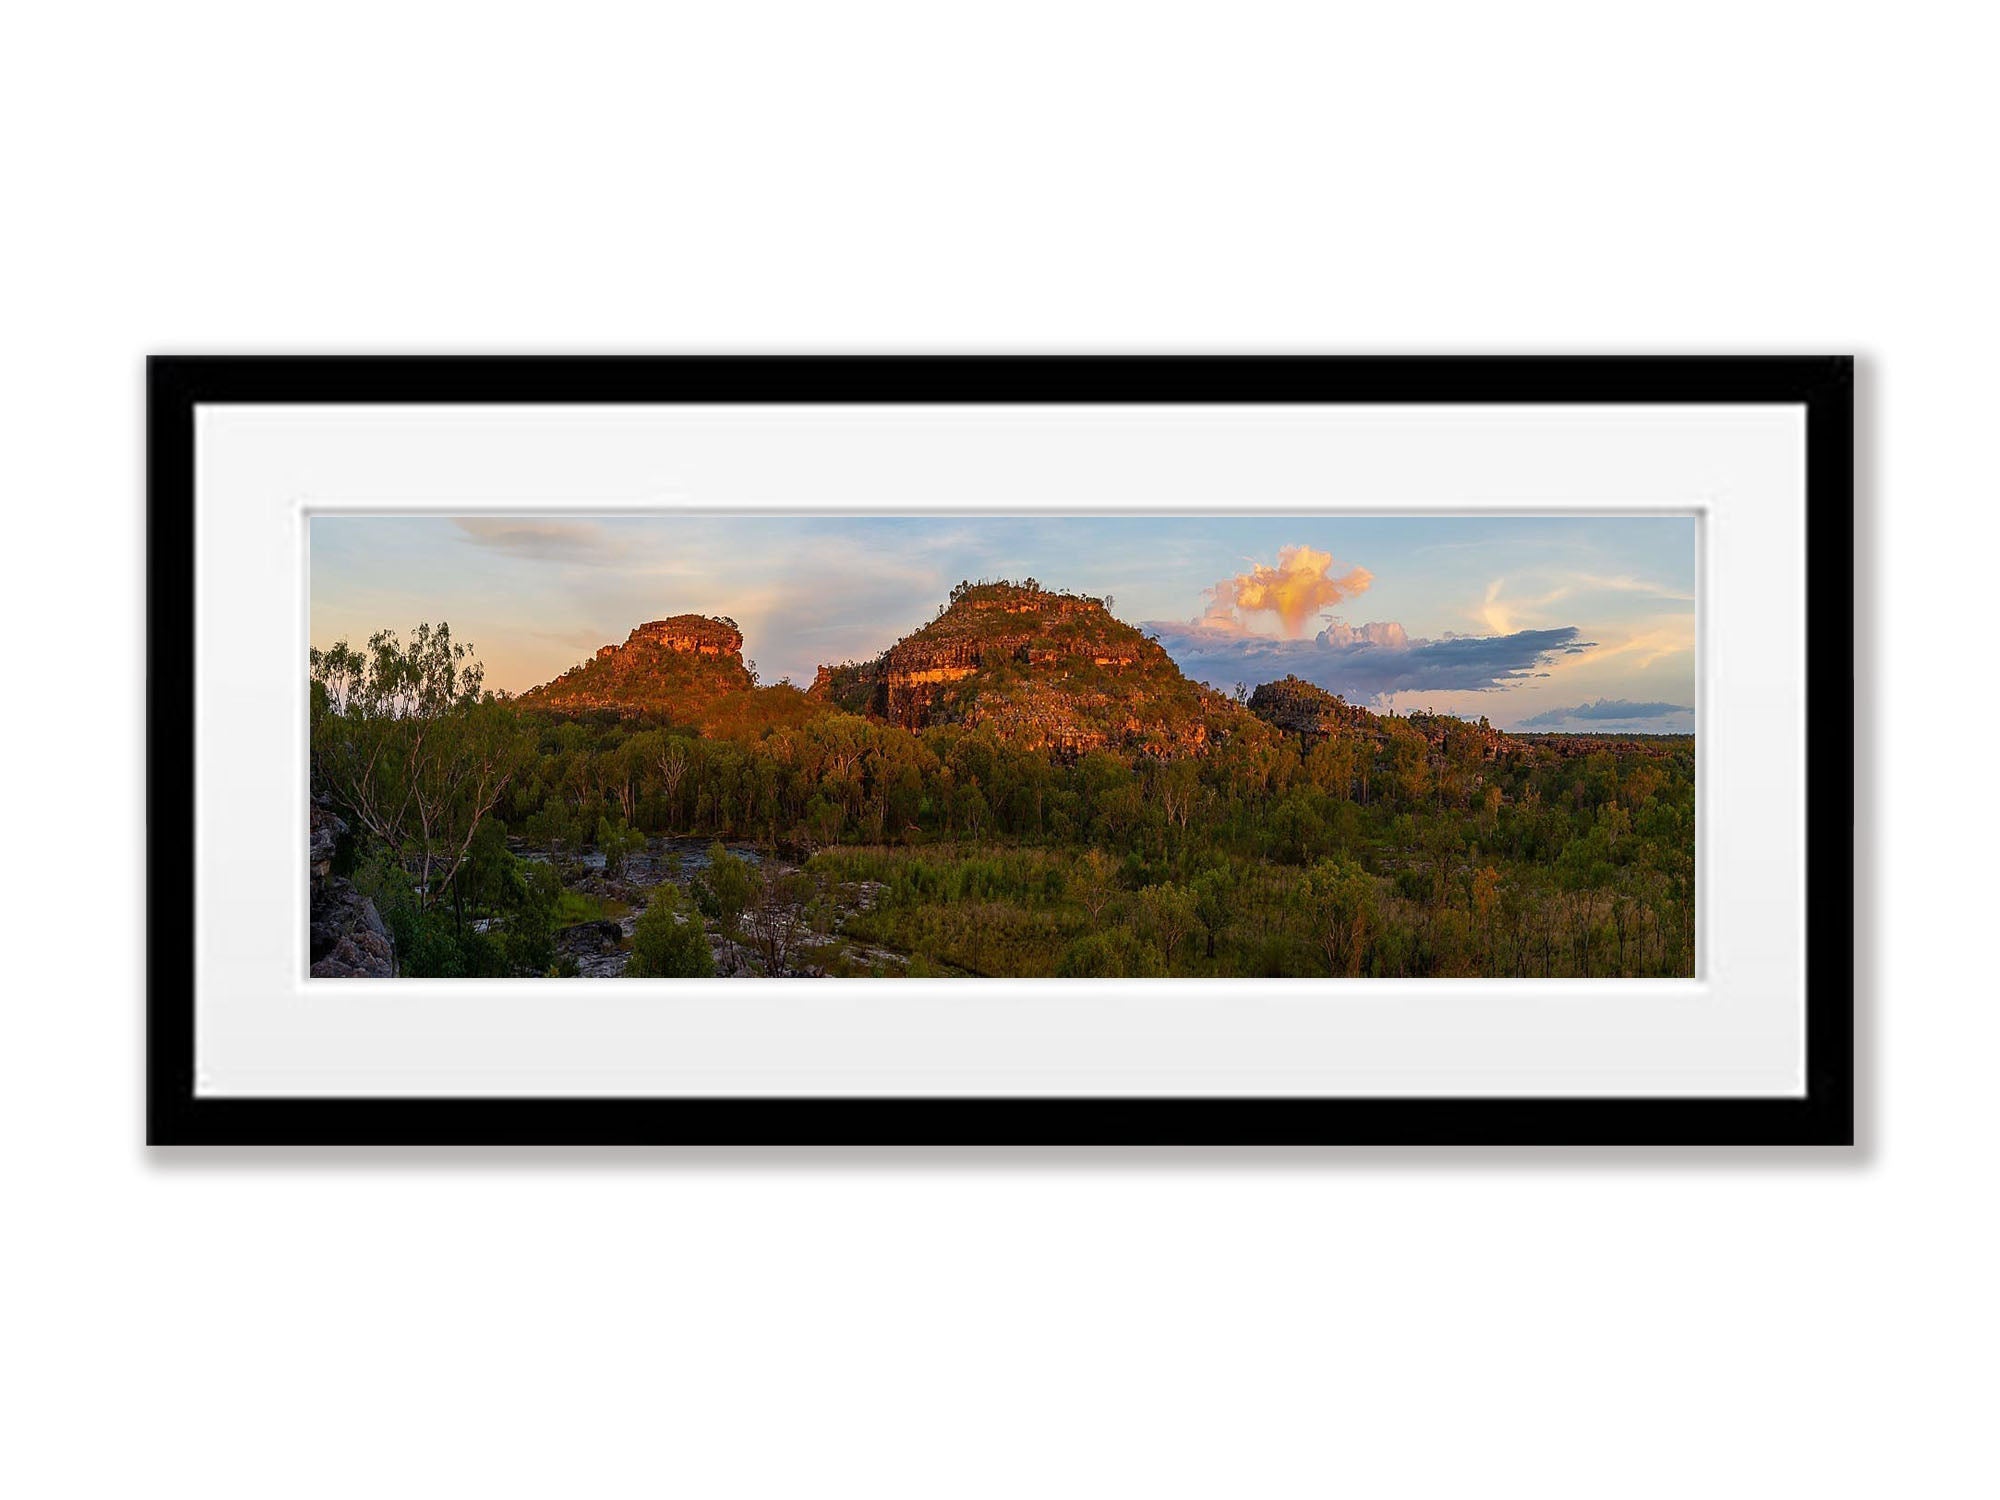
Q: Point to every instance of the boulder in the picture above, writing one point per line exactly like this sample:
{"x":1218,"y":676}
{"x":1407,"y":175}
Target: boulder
{"x":325,"y":831}
{"x":348,"y":938}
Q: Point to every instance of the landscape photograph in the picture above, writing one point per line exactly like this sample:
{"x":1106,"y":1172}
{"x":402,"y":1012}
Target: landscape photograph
{"x":1030,"y":746}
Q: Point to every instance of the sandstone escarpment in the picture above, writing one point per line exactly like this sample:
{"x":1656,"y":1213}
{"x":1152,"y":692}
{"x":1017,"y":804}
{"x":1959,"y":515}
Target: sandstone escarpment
{"x":695,"y":635}
{"x":1040,"y":669}
{"x":672,"y":667}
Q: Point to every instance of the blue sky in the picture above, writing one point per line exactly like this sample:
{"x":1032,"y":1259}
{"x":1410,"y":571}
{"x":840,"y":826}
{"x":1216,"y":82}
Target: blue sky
{"x":1574,"y":623}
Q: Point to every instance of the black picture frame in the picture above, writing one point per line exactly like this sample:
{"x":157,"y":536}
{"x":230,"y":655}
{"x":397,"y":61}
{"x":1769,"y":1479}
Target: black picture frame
{"x":1823,"y":1115}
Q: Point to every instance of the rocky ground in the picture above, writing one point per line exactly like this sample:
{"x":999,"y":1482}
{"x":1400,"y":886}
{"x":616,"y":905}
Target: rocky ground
{"x":806,"y":932}
{"x":347,"y":938}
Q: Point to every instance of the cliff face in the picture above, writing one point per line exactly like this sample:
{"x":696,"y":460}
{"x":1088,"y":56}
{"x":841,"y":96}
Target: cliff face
{"x":672,"y":667}
{"x":1043,"y":670}
{"x":694,"y":635}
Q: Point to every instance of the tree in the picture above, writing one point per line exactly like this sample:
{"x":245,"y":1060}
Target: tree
{"x":672,"y":761}
{"x":968,"y":808}
{"x":668,"y":943}
{"x":405,"y":743}
{"x":724,"y":888}
{"x":771,"y":918}
{"x":1169,"y":913}
{"x":1339,"y":901}
{"x":823,"y":821}
{"x":1177,"y":783}
{"x":1485,"y":907}
{"x":1213,"y":893}
{"x":1093,"y":881}
{"x":616,"y":840}
{"x":1442,"y":847}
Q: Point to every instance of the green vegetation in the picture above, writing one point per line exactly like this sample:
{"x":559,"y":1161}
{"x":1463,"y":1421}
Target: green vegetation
{"x":669,"y":944}
{"x":1384,"y":846}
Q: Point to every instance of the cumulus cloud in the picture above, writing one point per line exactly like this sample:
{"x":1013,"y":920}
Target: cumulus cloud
{"x":1363,"y":663}
{"x":1604,"y":710}
{"x":1298,"y":588}
{"x":1376,"y":633}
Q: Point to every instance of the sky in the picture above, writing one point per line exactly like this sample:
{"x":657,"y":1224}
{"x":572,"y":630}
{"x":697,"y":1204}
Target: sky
{"x":1539,"y":623}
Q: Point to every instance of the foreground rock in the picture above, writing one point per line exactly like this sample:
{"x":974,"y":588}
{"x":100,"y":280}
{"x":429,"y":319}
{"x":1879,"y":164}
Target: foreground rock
{"x":596,"y":948}
{"x":348,"y":939}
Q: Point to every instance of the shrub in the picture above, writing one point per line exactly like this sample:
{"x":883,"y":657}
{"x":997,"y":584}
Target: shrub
{"x":666,"y":944}
{"x":724,"y":888}
{"x":1115,"y":954}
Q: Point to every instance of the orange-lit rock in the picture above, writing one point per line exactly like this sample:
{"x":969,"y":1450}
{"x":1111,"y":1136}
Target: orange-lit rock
{"x":1040,"y":669}
{"x":670,"y":668}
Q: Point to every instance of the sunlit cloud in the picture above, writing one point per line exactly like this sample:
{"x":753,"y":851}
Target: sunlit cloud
{"x":1650,"y":646}
{"x":1297,"y":589}
{"x":1502,"y":616}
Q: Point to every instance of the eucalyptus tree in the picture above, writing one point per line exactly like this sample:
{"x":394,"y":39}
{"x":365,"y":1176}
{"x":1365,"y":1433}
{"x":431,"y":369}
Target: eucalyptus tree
{"x":404,"y":739}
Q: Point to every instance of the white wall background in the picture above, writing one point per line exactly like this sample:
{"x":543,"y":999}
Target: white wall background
{"x":1527,"y":177}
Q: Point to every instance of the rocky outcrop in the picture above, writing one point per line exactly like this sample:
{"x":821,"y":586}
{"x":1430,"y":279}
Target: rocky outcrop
{"x":1306,"y":709}
{"x":1441,"y":730}
{"x":856,"y":687}
{"x":693,"y":635}
{"x":672,"y":667}
{"x":596,"y":948}
{"x":348,"y":938}
{"x":1042,"y":669}
{"x":324,"y":832}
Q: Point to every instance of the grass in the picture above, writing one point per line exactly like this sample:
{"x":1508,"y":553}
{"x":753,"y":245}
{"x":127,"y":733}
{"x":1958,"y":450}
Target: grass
{"x":573,"y":907}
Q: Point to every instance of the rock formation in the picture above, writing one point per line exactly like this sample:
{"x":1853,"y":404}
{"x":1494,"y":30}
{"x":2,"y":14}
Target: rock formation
{"x":1043,"y":670}
{"x":672,"y":667}
{"x":346,"y":937}
{"x":1438,"y":728}
{"x":349,"y":940}
{"x":693,"y":635}
{"x":1295,"y":706}
{"x":1308,"y":710}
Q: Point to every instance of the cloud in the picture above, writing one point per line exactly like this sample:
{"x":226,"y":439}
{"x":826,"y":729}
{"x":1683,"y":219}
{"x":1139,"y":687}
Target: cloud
{"x":1500,"y":616}
{"x":550,"y":541}
{"x":1604,"y":710}
{"x":1375,"y":633}
{"x":1298,"y":588}
{"x":1363,"y":662}
{"x":1648,"y":646}
{"x":1626,"y":583}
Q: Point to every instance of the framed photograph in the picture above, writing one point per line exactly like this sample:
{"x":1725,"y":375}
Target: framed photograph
{"x":1001,"y":751}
